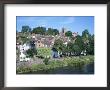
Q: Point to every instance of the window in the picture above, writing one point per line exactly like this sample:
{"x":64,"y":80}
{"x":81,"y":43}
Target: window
{"x":38,"y":41}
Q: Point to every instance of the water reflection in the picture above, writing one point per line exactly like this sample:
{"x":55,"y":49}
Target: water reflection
{"x":87,"y":69}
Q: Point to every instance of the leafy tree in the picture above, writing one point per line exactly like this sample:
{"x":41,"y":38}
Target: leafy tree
{"x":79,"y":42}
{"x":50,"y":31}
{"x":39,"y":30}
{"x":25,"y":29}
{"x":68,"y":33}
{"x":58,"y":44}
{"x":85,"y":36}
{"x":70,"y":48}
{"x":31,"y":52}
{"x":90,"y":46}
{"x":77,"y":49}
{"x":88,"y":40}
{"x":55,"y":32}
{"x":64,"y":49}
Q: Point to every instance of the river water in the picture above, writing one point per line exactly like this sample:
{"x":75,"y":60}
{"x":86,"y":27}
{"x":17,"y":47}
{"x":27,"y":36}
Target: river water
{"x":87,"y":69}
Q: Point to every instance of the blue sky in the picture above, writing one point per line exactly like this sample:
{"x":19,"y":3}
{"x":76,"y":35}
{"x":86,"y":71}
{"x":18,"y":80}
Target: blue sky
{"x":71,"y":23}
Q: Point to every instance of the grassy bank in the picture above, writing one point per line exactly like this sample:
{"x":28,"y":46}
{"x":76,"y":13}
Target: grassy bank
{"x":74,"y":62}
{"x":44,"y":52}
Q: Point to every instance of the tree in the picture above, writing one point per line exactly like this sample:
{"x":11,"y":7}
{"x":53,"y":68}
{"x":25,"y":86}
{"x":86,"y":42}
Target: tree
{"x":55,"y":32}
{"x":64,"y":49}
{"x":39,"y":30}
{"x":79,"y":42}
{"x":49,"y":31}
{"x":58,"y":44}
{"x":68,"y":33}
{"x":77,"y":49}
{"x":90,"y":46}
{"x":78,"y":45}
{"x":25,"y":29}
{"x":70,"y":48}
{"x":85,"y":36}
{"x":31,"y":52}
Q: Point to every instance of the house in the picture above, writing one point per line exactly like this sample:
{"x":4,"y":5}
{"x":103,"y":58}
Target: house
{"x":39,"y":44}
{"x":23,"y":48}
{"x":23,"y":57}
{"x":84,"y":53}
{"x":44,"y":41}
{"x":75,"y":34}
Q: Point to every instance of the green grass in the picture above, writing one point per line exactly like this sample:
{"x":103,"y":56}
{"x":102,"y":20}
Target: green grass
{"x":44,"y":52}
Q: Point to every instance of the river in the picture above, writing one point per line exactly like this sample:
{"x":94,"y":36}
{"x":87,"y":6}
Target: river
{"x":87,"y":69}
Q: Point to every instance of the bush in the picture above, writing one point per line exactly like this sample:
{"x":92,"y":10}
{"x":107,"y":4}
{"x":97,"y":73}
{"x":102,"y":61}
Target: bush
{"x":23,"y":69}
{"x":46,"y":61}
{"x":38,"y":67}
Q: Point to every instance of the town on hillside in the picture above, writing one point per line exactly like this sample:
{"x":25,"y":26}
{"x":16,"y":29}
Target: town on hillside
{"x":40,"y":46}
{"x":43,"y":41}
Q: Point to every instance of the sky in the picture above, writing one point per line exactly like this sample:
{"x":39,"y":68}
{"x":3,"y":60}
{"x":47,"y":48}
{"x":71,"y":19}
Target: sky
{"x":71,"y":23}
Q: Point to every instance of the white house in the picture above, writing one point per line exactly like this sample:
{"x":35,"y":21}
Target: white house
{"x":23,"y":48}
{"x":23,"y":57}
{"x":84,"y":53}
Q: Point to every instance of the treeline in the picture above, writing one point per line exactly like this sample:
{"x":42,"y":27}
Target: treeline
{"x":43,"y":31}
{"x":83,"y":44}
{"x":40,"y":30}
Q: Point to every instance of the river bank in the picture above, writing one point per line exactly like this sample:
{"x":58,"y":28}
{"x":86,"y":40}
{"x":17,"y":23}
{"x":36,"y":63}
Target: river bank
{"x":69,"y":65}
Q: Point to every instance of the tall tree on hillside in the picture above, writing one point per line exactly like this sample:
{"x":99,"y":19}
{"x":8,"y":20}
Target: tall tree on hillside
{"x":77,"y":49}
{"x":58,"y":44}
{"x":85,"y":36}
{"x":70,"y":48}
{"x":52,"y":31}
{"x":68,"y":34}
{"x":39,"y":30}
{"x":90,"y":46}
{"x":79,"y":44}
{"x":55,"y":32}
{"x":49,"y":31}
{"x":25,"y":29}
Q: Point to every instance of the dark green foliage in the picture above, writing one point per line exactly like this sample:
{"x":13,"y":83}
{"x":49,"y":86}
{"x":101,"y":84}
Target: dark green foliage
{"x":51,"y":31}
{"x":90,"y":46}
{"x":39,"y":30}
{"x":58,"y":44}
{"x":26,"y":29}
{"x":68,"y":33}
{"x":46,"y":61}
{"x":55,"y":32}
{"x":31,"y":52}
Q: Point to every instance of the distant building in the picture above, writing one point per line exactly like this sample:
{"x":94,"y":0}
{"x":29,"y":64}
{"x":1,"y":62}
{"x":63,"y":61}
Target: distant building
{"x":44,"y":41}
{"x":75,"y":34}
{"x":63,"y":31}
